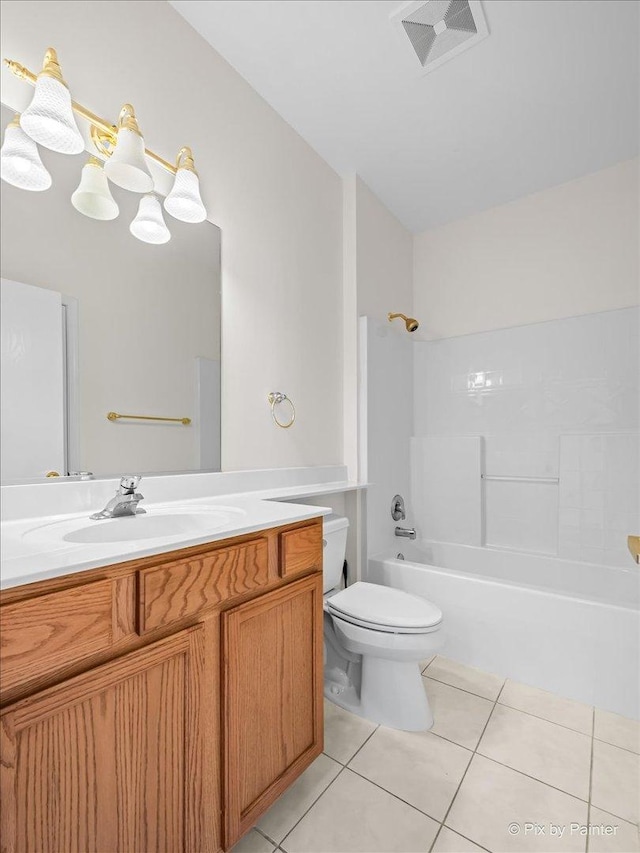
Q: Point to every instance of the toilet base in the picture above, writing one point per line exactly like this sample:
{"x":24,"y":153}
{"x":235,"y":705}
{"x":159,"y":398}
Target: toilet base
{"x":392,"y":695}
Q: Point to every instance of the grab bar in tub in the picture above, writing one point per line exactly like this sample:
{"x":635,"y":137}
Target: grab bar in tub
{"x":553,"y":480}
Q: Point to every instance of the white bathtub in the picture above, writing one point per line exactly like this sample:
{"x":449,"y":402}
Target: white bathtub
{"x":571,"y":628}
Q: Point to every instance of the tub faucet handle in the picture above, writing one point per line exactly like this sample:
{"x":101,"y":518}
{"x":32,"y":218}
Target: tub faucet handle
{"x":398,"y":512}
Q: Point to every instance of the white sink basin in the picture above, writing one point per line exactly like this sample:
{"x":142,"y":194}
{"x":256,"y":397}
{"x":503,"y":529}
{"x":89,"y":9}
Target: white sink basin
{"x":154,"y":524}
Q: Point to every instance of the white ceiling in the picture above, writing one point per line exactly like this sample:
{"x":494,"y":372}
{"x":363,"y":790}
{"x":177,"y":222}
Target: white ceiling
{"x":550,"y":95}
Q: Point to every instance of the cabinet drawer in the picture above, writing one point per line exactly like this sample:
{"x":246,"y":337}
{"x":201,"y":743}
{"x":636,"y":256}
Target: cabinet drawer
{"x":42,"y":634}
{"x":301,"y":549}
{"x":183,"y":588}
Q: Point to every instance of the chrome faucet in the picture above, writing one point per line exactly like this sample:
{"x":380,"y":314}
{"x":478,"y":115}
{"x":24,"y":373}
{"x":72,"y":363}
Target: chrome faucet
{"x":126,"y":499}
{"x":406,"y":532}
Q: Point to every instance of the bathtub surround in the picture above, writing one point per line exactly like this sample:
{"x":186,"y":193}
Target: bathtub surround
{"x":554,"y":406}
{"x":446,"y":487}
{"x":598,"y":497}
{"x":549,"y":410}
{"x":552,"y":403}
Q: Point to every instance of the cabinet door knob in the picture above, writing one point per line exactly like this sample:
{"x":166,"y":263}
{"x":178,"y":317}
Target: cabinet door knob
{"x":52,"y":474}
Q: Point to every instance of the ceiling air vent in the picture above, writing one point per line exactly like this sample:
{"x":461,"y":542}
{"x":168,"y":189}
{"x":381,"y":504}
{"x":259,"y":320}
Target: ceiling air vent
{"x":438,"y":30}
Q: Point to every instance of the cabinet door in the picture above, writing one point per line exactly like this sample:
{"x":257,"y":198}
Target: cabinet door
{"x":110,"y":760}
{"x":272,"y":685}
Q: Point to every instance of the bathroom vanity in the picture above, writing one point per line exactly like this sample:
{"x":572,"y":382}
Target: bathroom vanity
{"x":165,"y":702}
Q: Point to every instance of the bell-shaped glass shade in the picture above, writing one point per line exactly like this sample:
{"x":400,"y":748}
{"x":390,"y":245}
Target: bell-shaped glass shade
{"x":20,"y":162}
{"x":127,"y":166}
{"x":184,"y":200}
{"x":149,"y":225}
{"x":49,"y":119}
{"x":93,"y":197}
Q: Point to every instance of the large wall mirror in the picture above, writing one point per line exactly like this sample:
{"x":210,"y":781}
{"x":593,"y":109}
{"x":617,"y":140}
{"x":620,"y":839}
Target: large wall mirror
{"x":94,"y":322}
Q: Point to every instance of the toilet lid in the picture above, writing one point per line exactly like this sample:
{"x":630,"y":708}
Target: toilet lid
{"x":384,"y":606}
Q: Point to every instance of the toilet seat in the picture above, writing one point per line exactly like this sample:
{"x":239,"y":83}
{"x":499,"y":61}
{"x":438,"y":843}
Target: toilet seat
{"x":382,"y":608}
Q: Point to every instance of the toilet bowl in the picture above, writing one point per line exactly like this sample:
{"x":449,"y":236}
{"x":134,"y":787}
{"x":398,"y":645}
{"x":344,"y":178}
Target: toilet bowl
{"x":375,"y":637}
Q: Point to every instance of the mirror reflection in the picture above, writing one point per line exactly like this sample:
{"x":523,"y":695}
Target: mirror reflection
{"x":96,"y":323}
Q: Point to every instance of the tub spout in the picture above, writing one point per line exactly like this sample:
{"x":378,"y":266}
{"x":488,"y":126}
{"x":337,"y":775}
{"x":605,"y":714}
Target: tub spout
{"x":406,"y":532}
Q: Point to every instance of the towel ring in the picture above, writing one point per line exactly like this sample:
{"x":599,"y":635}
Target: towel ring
{"x":276,"y":397}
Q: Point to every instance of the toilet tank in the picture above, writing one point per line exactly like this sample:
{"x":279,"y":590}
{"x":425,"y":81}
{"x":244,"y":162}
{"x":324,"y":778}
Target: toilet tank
{"x":334,"y":540}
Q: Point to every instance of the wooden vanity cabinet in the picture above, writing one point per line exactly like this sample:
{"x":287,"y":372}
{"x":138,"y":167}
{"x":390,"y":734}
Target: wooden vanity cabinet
{"x":111,"y":759}
{"x":173,"y":717}
{"x":272,"y":697}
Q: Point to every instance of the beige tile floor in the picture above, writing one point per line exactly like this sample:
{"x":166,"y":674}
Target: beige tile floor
{"x":501,"y":758}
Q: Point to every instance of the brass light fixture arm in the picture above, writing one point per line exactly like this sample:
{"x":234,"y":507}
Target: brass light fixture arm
{"x":107,"y":131}
{"x":184,"y":160}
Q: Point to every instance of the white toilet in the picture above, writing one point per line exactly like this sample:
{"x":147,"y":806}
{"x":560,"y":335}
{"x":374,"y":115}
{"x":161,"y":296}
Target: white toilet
{"x":374,"y":639}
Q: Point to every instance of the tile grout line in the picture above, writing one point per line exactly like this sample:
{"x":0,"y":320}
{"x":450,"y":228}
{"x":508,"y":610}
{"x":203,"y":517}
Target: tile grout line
{"x":395,"y":796}
{"x":368,"y":737}
{"x":591,"y":737}
{"x":455,"y":687}
{"x":306,"y":812}
{"x":363,"y":744}
{"x":343,"y":767}
{"x":534,"y":778}
{"x":617,"y":746}
{"x":546,"y":719}
{"x":592,"y":708}
{"x":521,"y":710}
{"x":475,"y":751}
{"x":442,"y":822}
{"x":264,"y":835}
{"x":508,"y":766}
{"x":633,"y":823}
{"x":593,"y":731}
{"x":521,"y":772}
{"x":375,"y":784}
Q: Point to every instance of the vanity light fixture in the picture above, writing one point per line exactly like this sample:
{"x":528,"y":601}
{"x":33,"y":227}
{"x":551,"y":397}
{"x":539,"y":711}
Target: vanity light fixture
{"x":49,"y":120}
{"x":20,"y":163}
{"x":126,"y":166}
{"x":184,"y":202}
{"x":93,"y":197}
{"x":149,"y":225}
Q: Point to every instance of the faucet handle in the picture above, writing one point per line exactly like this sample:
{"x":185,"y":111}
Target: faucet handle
{"x":129,"y":483}
{"x":397,"y":508}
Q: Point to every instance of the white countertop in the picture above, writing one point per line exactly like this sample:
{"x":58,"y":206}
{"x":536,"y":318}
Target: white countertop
{"x":33,"y":551}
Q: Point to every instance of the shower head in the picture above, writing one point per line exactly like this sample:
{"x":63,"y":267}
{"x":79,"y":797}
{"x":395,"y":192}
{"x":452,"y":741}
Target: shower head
{"x":410,"y":322}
